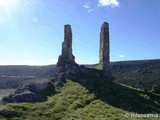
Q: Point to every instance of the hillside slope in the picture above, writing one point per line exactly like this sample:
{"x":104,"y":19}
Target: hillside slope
{"x":99,"y":100}
{"x":11,"y":77}
{"x":24,"y":70}
{"x":143,"y":74}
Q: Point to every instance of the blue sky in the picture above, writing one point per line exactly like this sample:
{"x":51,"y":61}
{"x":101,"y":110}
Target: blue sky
{"x":31,"y":31}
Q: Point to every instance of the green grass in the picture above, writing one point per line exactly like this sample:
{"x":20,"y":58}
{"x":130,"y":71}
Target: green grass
{"x":99,"y":100}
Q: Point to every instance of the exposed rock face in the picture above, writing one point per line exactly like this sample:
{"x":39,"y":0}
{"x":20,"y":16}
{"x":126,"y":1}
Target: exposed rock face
{"x":66,"y":67}
{"x":104,"y":47}
{"x":33,"y":92}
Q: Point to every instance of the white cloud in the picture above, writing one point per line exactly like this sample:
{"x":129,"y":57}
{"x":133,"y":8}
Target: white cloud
{"x":121,"y":56}
{"x":112,"y":3}
{"x":89,"y":9}
{"x":86,"y":6}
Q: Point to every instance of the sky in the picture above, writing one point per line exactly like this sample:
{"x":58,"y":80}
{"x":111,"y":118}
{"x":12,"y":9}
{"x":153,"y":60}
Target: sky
{"x":32,"y":31}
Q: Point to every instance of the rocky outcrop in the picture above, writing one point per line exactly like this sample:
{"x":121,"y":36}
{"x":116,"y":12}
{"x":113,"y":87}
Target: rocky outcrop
{"x":33,"y":92}
{"x":104,"y":49}
{"x":66,"y":67}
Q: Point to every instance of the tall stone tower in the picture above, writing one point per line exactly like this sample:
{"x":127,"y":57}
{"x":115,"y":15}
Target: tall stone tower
{"x":66,"y":56}
{"x":66,"y":67}
{"x":104,"y":49}
{"x":67,"y":44}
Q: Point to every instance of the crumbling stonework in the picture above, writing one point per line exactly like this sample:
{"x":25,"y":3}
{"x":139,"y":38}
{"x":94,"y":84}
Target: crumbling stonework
{"x":66,"y":67}
{"x":104,"y":47}
{"x":67,"y":44}
{"x":66,"y":56}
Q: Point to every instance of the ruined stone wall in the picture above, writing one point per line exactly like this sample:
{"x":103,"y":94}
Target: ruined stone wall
{"x":104,"y":49}
{"x":67,"y":44}
{"x":66,"y":53}
{"x":66,"y":67}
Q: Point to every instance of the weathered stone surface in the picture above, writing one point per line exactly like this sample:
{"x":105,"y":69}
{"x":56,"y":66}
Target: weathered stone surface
{"x":67,"y":44}
{"x":66,"y":57}
{"x":66,"y":53}
{"x":66,"y":67}
{"x":104,"y":49}
{"x":68,"y":70}
{"x":33,"y":92}
{"x":26,"y":96}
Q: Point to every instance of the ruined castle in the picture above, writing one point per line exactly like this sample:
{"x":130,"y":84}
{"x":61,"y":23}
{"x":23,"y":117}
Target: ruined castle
{"x":67,"y":68}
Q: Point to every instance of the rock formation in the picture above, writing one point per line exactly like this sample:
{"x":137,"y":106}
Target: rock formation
{"x":66,"y":67}
{"x":32,"y":92}
{"x":104,"y":47}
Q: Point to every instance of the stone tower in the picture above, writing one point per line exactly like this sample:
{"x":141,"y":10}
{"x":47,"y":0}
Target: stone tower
{"x":66,"y":67}
{"x":104,"y":47}
{"x":67,"y":44}
{"x":66,"y":54}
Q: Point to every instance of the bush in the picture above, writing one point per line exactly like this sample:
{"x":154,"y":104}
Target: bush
{"x":156,"y":89}
{"x":9,"y":113}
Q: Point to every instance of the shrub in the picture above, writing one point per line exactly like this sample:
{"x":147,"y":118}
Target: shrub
{"x":156,"y":89}
{"x":9,"y":113}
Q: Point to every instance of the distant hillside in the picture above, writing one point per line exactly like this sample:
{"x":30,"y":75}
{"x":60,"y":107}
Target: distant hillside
{"x":15,"y":76}
{"x":143,"y":74}
{"x":20,"y":70}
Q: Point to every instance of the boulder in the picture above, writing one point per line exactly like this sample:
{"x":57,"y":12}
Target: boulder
{"x":33,"y":92}
{"x":26,"y":96}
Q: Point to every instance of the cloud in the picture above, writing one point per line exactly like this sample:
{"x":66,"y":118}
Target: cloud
{"x":89,"y":9}
{"x":121,"y":56}
{"x":86,"y":6}
{"x":112,"y":3}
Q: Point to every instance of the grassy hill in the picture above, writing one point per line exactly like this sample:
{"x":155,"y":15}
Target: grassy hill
{"x":99,"y":100}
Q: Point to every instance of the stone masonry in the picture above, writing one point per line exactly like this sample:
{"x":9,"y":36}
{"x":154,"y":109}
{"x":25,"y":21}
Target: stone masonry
{"x":66,"y":56}
{"x":104,"y":47}
{"x":67,"y":44}
{"x":66,"y":67}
